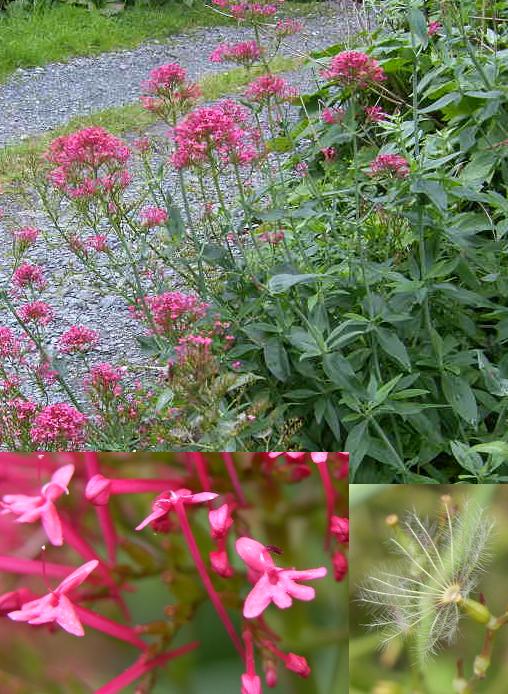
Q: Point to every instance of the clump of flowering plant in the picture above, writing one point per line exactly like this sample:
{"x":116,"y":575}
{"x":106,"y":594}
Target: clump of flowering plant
{"x":191,"y":519}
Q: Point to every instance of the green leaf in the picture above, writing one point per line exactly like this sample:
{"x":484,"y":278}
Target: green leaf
{"x":165,"y":398}
{"x":446,"y":99}
{"x":276,"y":359}
{"x":393,"y":347}
{"x":493,"y":448}
{"x":433,"y":190}
{"x":303,"y":341}
{"x":461,"y":397}
{"x":339,"y":371}
{"x":281,"y":283}
{"x":357,"y":443}
{"x":418,"y":27}
{"x":467,"y":458}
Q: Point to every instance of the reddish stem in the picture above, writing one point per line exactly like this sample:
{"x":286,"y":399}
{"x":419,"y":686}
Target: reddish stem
{"x":329,"y":494}
{"x":108,"y":626}
{"x":141,"y":667}
{"x":199,"y":462}
{"x":103,"y":514}
{"x":230,"y":467}
{"x":200,"y":566}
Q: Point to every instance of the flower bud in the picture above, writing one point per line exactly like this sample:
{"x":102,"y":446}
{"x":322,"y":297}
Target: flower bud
{"x":220,"y":521}
{"x":298,"y":664}
{"x":220,"y":563}
{"x":251,"y":684}
{"x":98,"y":490}
{"x":340,"y":566}
{"x":340,"y":528}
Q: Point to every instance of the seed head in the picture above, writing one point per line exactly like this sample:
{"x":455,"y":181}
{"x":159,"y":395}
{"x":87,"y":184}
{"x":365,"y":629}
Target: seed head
{"x":421,"y":595}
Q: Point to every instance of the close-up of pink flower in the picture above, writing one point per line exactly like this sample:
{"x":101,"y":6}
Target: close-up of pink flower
{"x":78,"y":339}
{"x":268,"y":87}
{"x":29,"y":509}
{"x":244,"y":53}
{"x":153,"y":216}
{"x":274,"y":584}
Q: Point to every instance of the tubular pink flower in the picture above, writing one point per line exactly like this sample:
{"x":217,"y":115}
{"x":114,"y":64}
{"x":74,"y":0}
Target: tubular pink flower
{"x":141,"y":667}
{"x":275,"y":584}
{"x":391,"y":164}
{"x":78,"y":339}
{"x":110,"y":627}
{"x":267,"y":87}
{"x":170,"y":500}
{"x":56,"y":606}
{"x":295,"y":663}
{"x":233,"y":476}
{"x":321,"y":460}
{"x":200,"y":566}
{"x":251,"y":683}
{"x":41,"y":507}
{"x":99,"y":488}
{"x":60,"y":424}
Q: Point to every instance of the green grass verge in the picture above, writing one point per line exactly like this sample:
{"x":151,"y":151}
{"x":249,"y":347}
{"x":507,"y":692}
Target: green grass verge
{"x":59,"y":31}
{"x":125,"y":119}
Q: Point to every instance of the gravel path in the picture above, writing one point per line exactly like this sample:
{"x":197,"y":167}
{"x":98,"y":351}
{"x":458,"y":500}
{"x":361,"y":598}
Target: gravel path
{"x":38,"y":99}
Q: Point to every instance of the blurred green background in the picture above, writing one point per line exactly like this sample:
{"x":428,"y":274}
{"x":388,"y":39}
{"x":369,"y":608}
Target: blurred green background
{"x":35,"y":661}
{"x":369,"y":666}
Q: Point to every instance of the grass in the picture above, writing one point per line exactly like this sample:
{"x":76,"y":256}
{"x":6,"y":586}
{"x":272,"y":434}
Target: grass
{"x":125,"y":119}
{"x":59,"y":31}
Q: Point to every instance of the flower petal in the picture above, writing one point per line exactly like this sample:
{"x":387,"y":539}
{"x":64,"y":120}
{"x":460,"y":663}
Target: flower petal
{"x":199,"y":498}
{"x":51,"y":524}
{"x":67,"y":617}
{"x":77,"y":577}
{"x":254,"y":554}
{"x":258,"y":599}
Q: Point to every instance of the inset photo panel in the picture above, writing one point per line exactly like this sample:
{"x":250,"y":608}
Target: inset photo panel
{"x":174,"y":573}
{"x":428,"y":589}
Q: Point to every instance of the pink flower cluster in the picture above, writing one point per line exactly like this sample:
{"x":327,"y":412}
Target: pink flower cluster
{"x":268,"y":87}
{"x":433,"y":28}
{"x":28,"y":275}
{"x":249,"y":10}
{"x":174,"y":312}
{"x":153,"y":217}
{"x":244,"y":53}
{"x":78,"y":339}
{"x":25,"y":237}
{"x":38,"y":312}
{"x":287,"y":27}
{"x":333,"y":115}
{"x":375,"y":114}
{"x":168,"y":91}
{"x":10,"y":347}
{"x":221,"y":130}
{"x":105,"y":379}
{"x":59,"y":425}
{"x":391,"y":164}
{"x":353,"y":68}
{"x":87,"y":162}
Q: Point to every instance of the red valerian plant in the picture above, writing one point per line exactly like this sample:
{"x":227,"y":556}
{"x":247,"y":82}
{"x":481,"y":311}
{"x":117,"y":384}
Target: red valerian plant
{"x":211,"y":522}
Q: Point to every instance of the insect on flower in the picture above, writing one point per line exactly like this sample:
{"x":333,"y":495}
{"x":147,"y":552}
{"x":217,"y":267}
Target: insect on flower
{"x":424,"y":594}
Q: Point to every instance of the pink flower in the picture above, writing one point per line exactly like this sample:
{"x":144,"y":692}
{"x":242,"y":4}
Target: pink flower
{"x":105,"y":379}
{"x":220,"y":131}
{"x":354,"y":68}
{"x":302,"y":168}
{"x":9,"y":344}
{"x":433,"y":28}
{"x":319,"y":457}
{"x":329,"y":153}
{"x":274,"y":584}
{"x":219,"y":562}
{"x":56,"y":606}
{"x":165,"y":502}
{"x":36,"y":312}
{"x":287,"y":27}
{"x":59,"y":424}
{"x":244,"y":53}
{"x":78,"y":338}
{"x":87,"y":162}
{"x":340,"y":528}
{"x":174,"y":311}
{"x":333,"y":115}
{"x":391,"y":164}
{"x":267,"y":87}
{"x":153,"y":217}
{"x":375,"y":114}
{"x":28,"y":275}
{"x":272,"y":237}
{"x":32,"y":508}
{"x":98,"y":242}
{"x":165,"y":77}
{"x":26,"y":236}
